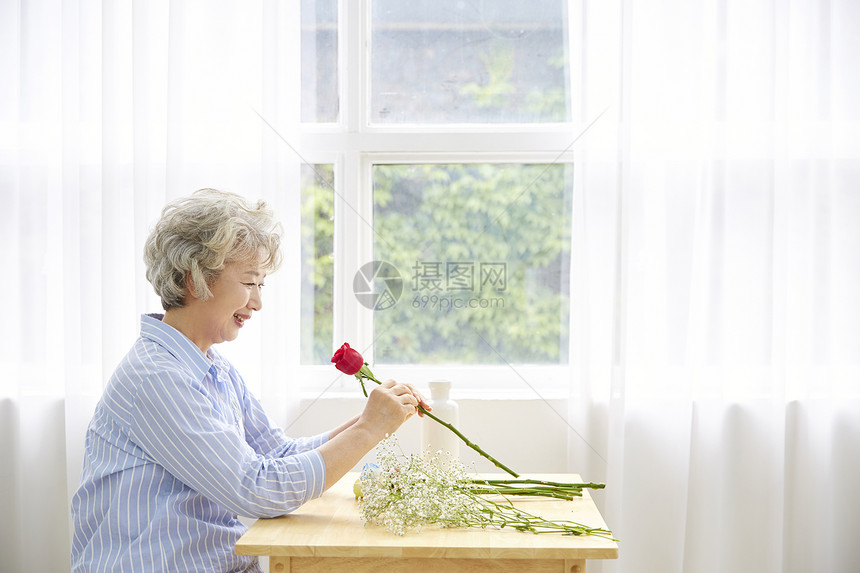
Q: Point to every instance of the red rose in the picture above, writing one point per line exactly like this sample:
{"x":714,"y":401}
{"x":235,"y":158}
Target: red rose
{"x":350,"y":362}
{"x":347,"y":360}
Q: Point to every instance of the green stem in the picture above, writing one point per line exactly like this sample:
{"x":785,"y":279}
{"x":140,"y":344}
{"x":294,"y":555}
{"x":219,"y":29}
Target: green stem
{"x":521,"y":520}
{"x":457,"y":432}
{"x":530,"y":487}
{"x":561,"y":484}
{"x":525,"y":493}
{"x":470,"y":443}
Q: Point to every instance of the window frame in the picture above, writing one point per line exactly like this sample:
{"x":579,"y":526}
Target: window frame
{"x":354,"y":145}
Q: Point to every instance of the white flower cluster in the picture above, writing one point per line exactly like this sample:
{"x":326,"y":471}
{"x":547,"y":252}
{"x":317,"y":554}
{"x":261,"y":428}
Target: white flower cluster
{"x":408,"y":491}
{"x":405,"y":492}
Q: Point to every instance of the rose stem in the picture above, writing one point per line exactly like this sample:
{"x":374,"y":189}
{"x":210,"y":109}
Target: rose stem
{"x":466,"y":440}
{"x":469,"y":443}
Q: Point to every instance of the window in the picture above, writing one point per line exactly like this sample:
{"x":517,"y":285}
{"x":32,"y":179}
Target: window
{"x":436,"y":219}
{"x":468,"y":62}
{"x":317,"y":262}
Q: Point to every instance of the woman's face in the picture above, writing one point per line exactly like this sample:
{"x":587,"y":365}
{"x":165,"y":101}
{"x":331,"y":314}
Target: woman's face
{"x":236,"y":295}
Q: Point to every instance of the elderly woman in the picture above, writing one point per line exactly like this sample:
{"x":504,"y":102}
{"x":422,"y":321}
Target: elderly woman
{"x":178,"y":446}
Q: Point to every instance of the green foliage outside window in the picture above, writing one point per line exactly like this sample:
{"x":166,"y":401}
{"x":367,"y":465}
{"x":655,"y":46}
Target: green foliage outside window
{"x":317,"y":266}
{"x":474,"y":216}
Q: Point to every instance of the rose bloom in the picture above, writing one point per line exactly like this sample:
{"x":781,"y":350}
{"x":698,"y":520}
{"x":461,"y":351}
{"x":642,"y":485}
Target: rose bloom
{"x":347,"y":360}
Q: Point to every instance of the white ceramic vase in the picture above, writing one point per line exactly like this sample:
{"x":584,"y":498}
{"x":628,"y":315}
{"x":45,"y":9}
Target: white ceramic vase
{"x":435,"y":437}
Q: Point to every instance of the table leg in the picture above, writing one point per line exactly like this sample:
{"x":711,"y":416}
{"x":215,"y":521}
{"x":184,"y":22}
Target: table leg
{"x":574,"y":566}
{"x":279,"y":564}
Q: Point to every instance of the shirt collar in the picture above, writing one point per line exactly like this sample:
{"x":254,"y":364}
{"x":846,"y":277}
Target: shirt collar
{"x":176,"y":343}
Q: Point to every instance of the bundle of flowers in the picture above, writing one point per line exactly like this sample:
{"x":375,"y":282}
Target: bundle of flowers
{"x":405,"y":492}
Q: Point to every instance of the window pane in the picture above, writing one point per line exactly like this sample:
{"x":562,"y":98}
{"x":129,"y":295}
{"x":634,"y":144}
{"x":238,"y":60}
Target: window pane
{"x":450,"y":61}
{"x":483,"y":251}
{"x":319,"y":61}
{"x":317,"y":269}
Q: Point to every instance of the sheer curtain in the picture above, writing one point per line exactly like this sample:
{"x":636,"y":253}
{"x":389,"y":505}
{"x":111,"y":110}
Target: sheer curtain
{"x":108,"y":110}
{"x":715,"y":254}
{"x":717,"y":261}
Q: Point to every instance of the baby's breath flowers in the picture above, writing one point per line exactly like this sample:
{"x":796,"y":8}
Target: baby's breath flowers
{"x":405,"y":492}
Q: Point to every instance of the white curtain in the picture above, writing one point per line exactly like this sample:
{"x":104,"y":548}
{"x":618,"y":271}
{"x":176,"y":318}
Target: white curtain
{"x":716,"y":254}
{"x":717,"y":264}
{"x":107,"y":111}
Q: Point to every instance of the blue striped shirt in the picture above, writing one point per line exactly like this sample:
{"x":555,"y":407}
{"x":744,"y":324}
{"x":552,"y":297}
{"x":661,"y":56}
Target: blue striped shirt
{"x":176,"y":449}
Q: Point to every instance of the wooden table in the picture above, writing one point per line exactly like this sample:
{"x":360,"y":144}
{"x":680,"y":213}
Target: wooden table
{"x":327,"y":535}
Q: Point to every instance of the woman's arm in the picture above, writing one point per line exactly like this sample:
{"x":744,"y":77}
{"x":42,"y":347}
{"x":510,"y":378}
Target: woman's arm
{"x":177,"y":426}
{"x":342,"y":427}
{"x":388,"y":406}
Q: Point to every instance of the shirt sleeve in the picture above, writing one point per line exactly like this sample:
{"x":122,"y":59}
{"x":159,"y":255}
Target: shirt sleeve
{"x":178,"y":427}
{"x":264,"y":437}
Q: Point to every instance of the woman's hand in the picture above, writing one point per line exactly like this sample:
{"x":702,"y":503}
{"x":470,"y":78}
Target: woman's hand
{"x":421,"y":401}
{"x":388,"y":406}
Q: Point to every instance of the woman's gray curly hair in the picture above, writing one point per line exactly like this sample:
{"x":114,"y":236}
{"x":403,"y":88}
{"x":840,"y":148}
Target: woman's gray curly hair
{"x":198,"y":234}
